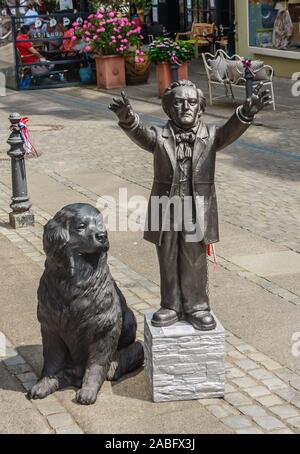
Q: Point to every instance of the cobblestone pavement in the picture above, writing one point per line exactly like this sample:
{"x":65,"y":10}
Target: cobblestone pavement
{"x":257,"y":192}
{"x":261,"y":396}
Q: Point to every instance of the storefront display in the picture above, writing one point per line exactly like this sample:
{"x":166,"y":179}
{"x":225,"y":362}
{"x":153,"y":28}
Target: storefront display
{"x":274,"y":25}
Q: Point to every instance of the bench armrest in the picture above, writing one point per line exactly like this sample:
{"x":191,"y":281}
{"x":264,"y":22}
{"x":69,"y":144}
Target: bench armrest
{"x":269,"y":71}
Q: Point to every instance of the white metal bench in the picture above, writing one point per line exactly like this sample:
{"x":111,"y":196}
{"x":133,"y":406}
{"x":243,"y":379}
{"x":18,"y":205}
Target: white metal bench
{"x":239,"y":83}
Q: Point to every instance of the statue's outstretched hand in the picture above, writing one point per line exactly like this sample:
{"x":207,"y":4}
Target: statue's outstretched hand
{"x":257,"y":102}
{"x":122,"y":108}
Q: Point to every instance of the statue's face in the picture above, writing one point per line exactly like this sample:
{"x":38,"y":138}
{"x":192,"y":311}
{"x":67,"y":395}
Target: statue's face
{"x":185,"y":109}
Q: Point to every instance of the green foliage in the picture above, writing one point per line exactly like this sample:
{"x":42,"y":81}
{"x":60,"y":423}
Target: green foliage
{"x":143,"y":4}
{"x":120,"y":5}
{"x":162,"y":49}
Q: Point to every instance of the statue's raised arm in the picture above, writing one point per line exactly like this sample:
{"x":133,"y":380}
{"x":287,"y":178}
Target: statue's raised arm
{"x":242,"y":118}
{"x":131,"y":124}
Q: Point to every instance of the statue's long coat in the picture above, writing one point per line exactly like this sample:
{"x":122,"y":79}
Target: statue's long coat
{"x":161,"y":142}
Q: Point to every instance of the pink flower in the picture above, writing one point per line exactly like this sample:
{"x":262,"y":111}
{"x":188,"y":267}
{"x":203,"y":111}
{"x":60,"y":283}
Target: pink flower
{"x":74,"y":38}
{"x":124,"y":40}
{"x":120,"y":36}
{"x":87,"y":33}
{"x":87,"y":40}
{"x":84,"y":26}
{"x":90,"y":16}
{"x":101,"y":29}
{"x":95,"y":37}
{"x":88,"y":48}
{"x":111,"y":14}
{"x":74,"y":24}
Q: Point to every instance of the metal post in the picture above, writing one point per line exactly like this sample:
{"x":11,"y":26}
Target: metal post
{"x":21,"y":216}
{"x":174,"y":69}
{"x":249,"y":82}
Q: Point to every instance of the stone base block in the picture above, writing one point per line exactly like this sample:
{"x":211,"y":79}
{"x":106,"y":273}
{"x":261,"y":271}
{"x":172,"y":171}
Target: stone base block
{"x":182,"y":363}
{"x":18,"y":220}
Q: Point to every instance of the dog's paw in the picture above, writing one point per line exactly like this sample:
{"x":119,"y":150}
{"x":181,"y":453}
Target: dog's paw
{"x":42,"y":388}
{"x":86,"y":396}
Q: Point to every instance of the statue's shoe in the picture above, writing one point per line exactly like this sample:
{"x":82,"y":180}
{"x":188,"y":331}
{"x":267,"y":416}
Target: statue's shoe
{"x":201,"y":320}
{"x":164,"y":317}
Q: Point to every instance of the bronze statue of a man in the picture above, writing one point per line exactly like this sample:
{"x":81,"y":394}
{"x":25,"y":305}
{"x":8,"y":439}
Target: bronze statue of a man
{"x":184,"y":152}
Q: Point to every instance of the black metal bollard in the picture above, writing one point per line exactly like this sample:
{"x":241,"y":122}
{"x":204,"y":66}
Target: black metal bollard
{"x":249,"y":82}
{"x":174,"y":72}
{"x":174,"y":68}
{"x":21,"y":216}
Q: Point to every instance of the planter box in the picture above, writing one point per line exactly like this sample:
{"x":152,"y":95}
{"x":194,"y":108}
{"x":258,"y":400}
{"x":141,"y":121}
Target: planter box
{"x":110,"y":71}
{"x":164,"y":75}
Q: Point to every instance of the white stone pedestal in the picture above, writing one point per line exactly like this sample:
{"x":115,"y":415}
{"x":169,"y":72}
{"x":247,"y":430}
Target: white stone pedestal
{"x":182,"y":363}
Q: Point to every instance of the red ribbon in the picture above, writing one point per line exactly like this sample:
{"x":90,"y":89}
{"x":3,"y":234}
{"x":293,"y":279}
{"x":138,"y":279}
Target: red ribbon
{"x":248,"y":64}
{"x":30,"y":150}
{"x":174,"y":58}
{"x":209,"y":248}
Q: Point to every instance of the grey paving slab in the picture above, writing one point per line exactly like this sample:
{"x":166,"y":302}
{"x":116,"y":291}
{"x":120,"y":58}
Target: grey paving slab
{"x":294,"y":422}
{"x":49,"y":406}
{"x":236,"y":422}
{"x":270,"y":263}
{"x":17,"y":413}
{"x":268,"y":422}
{"x":252,"y":410}
{"x":285,"y":411}
{"x":237,"y":399}
{"x":60,"y":420}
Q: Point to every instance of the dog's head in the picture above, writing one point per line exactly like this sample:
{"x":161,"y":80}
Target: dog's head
{"x":76,"y":230}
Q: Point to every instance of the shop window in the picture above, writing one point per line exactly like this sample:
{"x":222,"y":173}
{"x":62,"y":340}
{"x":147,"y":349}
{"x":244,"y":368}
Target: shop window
{"x":274,"y":25}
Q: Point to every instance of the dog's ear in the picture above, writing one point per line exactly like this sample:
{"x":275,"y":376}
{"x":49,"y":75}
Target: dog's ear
{"x":56,"y":237}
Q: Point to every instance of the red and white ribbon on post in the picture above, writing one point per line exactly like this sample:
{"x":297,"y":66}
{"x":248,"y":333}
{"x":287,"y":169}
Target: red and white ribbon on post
{"x":211,"y":247}
{"x":30,"y":150}
{"x":247,"y":64}
{"x":174,"y":59}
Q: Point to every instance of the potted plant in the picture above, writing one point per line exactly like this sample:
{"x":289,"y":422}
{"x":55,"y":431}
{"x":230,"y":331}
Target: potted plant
{"x":164,"y":51}
{"x":109,"y":37}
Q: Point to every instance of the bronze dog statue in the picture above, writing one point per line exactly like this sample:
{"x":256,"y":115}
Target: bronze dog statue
{"x":88,"y":331}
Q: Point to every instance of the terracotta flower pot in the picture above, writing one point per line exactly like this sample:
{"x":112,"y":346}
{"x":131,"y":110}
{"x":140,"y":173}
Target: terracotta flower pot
{"x":110,"y":71}
{"x":164,"y":75}
{"x":137,"y":73}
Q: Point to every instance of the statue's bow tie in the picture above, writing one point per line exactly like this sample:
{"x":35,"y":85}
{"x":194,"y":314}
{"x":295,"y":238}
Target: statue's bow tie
{"x":184,"y":144}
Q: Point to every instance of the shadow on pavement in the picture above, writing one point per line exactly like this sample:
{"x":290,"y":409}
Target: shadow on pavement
{"x":134,"y":386}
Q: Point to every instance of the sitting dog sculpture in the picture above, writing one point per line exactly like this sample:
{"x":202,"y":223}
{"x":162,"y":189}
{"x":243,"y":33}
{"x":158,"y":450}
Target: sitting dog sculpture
{"x":88,"y":331}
